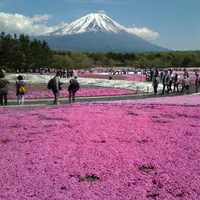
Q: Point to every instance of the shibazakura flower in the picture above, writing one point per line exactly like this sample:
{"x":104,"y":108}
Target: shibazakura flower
{"x":105,"y":151}
{"x":83,"y":92}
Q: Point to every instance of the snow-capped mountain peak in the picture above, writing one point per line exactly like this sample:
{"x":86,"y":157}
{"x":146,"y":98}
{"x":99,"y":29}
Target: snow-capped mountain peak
{"x":91,"y":22}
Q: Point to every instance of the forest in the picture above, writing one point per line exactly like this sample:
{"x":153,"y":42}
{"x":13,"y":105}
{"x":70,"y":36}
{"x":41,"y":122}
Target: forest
{"x":21,"y":53}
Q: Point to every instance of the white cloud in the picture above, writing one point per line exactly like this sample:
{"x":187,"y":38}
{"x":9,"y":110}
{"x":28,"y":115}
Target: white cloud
{"x":17,"y":23}
{"x":102,"y":11}
{"x":40,"y":18}
{"x":143,"y":33}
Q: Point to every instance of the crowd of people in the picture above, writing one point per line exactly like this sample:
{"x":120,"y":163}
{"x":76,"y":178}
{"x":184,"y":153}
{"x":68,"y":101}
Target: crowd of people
{"x":20,"y":89}
{"x":54,"y":84}
{"x":170,"y":79}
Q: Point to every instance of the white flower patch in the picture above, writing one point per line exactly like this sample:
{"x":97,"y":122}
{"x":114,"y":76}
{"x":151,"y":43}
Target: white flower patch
{"x":92,"y":82}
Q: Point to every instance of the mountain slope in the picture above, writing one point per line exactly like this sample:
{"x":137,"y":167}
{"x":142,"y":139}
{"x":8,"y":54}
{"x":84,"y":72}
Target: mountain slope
{"x":97,"y":32}
{"x":101,"y":42}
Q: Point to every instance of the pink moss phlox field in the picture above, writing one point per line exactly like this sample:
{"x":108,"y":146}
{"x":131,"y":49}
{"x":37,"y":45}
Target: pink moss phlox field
{"x":137,"y":152}
{"x":136,"y":77}
{"x":83,"y":92}
{"x":143,"y":78}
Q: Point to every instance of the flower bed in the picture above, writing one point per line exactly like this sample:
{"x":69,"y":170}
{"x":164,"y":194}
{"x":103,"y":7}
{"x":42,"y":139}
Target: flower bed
{"x":128,"y":77}
{"x":136,"y":77}
{"x":101,"y":76}
{"x":83,"y":92}
{"x":100,"y":151}
{"x":38,"y":82}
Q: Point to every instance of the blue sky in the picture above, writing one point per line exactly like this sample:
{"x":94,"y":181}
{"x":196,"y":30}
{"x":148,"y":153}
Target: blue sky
{"x":176,"y":21}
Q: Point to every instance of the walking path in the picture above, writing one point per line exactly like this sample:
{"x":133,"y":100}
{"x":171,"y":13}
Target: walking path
{"x":90,"y":99}
{"x":49,"y":101}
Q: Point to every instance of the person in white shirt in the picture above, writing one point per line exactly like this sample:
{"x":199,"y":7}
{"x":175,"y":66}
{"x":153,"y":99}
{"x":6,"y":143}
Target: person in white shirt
{"x":186,"y":85}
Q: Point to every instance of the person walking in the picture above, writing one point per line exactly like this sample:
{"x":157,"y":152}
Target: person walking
{"x":20,"y":90}
{"x":71,"y":73}
{"x":155,"y":84}
{"x":176,"y":82}
{"x":74,"y":86}
{"x":185,"y":73}
{"x":151,"y":74}
{"x":170,"y":72}
{"x":68,"y":73}
{"x":197,"y":82}
{"x":165,"y":82}
{"x":171,"y":79}
{"x":161,"y":75}
{"x":186,"y":85}
{"x":156,"y":72}
{"x":56,"y":87}
{"x":3,"y":89}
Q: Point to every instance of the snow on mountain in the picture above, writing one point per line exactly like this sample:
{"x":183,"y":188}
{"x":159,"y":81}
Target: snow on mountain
{"x":96,"y":32}
{"x":91,"y":22}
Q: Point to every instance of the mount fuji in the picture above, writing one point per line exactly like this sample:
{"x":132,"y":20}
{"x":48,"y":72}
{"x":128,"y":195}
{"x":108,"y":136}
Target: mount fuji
{"x":96,"y":32}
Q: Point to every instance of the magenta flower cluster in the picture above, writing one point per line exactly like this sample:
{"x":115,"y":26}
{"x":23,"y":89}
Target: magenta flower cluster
{"x":136,"y":77}
{"x":83,"y":92}
{"x":101,"y":151}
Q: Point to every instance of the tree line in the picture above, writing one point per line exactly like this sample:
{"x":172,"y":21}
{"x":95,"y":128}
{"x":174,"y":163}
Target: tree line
{"x":22,"y":53}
